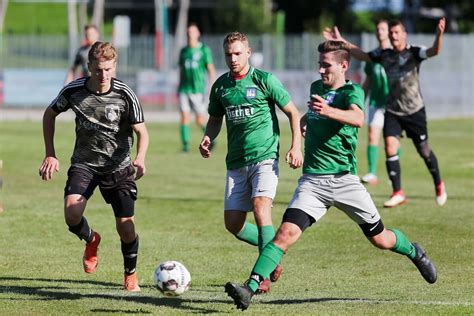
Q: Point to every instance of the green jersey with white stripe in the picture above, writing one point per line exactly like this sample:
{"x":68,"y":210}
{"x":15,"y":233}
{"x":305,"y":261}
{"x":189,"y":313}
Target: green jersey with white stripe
{"x":249,"y":108}
{"x":330,"y":146}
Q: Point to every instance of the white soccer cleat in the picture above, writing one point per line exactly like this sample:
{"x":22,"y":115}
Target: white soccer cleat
{"x":370,"y":178}
{"x":441,"y":194}
{"x":397,"y":198}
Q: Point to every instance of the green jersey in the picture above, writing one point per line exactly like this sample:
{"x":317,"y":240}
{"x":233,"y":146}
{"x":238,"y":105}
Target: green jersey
{"x":378,"y":84}
{"x":249,"y":108}
{"x":330,"y":146}
{"x":193,"y":63}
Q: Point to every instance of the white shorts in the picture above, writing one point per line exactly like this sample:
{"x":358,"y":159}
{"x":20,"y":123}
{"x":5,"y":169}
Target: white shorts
{"x":260,"y":179}
{"x":192,"y":101}
{"x":315,"y":194}
{"x":376,"y":117}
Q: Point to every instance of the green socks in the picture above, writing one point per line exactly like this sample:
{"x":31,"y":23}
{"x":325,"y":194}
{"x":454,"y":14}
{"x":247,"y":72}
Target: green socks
{"x":249,"y":234}
{"x":184,"y":131}
{"x":403,"y":245}
{"x":372,"y":157}
{"x":256,"y":236}
{"x":265,"y":235}
{"x":269,"y":258}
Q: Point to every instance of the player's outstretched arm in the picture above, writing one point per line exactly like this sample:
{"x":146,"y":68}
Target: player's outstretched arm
{"x":333,"y":34}
{"x":50,"y":162}
{"x":213,"y":129}
{"x":142,"y":147}
{"x":438,"y":42}
{"x":294,"y":157}
{"x":353,"y":116}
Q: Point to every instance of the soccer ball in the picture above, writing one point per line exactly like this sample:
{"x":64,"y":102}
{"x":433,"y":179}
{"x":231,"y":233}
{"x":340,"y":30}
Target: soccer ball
{"x":172,"y":278}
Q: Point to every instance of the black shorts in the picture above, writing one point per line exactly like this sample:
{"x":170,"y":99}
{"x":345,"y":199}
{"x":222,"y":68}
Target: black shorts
{"x":117,"y":188}
{"x":414,"y":125}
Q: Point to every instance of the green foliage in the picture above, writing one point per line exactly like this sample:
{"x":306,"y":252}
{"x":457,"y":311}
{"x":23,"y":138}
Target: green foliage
{"x":244,"y":15}
{"x":332,"y":270}
{"x":36,"y":18}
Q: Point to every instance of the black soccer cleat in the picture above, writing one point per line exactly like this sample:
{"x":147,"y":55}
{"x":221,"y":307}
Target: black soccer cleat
{"x":424,"y":264}
{"x":241,"y":295}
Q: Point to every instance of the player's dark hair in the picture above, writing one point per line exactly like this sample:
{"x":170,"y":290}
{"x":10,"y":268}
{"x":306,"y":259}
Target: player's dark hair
{"x":340,"y":49}
{"x":193,"y":24}
{"x":393,"y":23}
{"x":102,"y":50}
{"x":234,"y":37}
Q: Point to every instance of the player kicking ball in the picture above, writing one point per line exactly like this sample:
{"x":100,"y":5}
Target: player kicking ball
{"x":330,"y":176}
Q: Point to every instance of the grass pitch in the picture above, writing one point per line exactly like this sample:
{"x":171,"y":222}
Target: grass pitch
{"x":331,"y":270}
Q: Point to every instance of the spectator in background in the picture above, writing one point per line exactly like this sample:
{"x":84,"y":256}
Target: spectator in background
{"x":376,"y":90}
{"x":79,"y":67}
{"x":195,"y":59}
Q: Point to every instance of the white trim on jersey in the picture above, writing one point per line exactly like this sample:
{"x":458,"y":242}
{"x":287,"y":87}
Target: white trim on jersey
{"x":73,"y":84}
{"x":423,"y":52}
{"x":137,"y":110}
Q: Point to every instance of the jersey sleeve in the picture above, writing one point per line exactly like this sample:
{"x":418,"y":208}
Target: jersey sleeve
{"x":375,"y":55}
{"x":135,"y":113}
{"x":419,"y":52}
{"x":61,"y":102}
{"x":215,"y":107}
{"x":276,"y":91}
{"x":356,"y":96}
{"x":207,"y":56}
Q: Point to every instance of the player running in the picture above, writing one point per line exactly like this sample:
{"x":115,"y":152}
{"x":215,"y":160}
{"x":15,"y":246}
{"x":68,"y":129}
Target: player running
{"x":405,"y":109}
{"x":329,"y":176}
{"x":107,"y":113}
{"x":248,"y":98}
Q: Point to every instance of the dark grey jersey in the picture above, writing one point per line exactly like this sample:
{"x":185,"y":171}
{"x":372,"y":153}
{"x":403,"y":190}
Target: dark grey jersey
{"x":81,"y":59}
{"x":104,"y":135}
{"x":403,"y":72}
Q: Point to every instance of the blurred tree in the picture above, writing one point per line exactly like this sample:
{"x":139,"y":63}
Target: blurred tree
{"x":249,"y":16}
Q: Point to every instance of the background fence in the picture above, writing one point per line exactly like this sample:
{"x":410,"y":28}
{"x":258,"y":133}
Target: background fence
{"x":34,"y":68}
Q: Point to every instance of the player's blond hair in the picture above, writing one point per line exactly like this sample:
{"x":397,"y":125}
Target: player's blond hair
{"x":235,"y":37}
{"x":340,"y":49}
{"x":102,"y":50}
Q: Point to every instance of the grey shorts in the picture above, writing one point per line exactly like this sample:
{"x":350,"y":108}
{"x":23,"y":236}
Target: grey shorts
{"x":315,"y":194}
{"x":192,"y":101}
{"x":260,"y":179}
{"x":376,"y":117}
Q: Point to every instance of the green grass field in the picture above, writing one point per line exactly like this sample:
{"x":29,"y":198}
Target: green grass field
{"x":331,"y":270}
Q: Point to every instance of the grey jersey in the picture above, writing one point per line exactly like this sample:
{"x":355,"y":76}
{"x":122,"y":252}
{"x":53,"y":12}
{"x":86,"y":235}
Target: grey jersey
{"x":403,"y":72}
{"x":104,"y":134}
{"x":82,"y":58}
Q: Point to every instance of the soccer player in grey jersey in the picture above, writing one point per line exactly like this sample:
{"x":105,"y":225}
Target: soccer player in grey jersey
{"x":405,"y":109}
{"x":107,"y":114}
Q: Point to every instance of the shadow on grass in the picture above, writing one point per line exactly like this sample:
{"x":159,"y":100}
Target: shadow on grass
{"x":320,"y":300}
{"x":181,"y":199}
{"x":61,"y":293}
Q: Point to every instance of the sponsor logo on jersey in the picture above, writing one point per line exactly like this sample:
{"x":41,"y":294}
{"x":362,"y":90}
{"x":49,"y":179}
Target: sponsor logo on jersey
{"x":251,"y":92}
{"x":330,"y":96}
{"x":240,"y":112}
{"x":61,"y":103}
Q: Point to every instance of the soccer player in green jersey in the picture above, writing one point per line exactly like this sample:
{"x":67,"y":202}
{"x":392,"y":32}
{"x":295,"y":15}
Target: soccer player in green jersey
{"x":405,"y":109}
{"x":376,"y":89}
{"x":108,"y":113}
{"x":329,"y":175}
{"x":195,"y":60}
{"x":248,"y":98}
